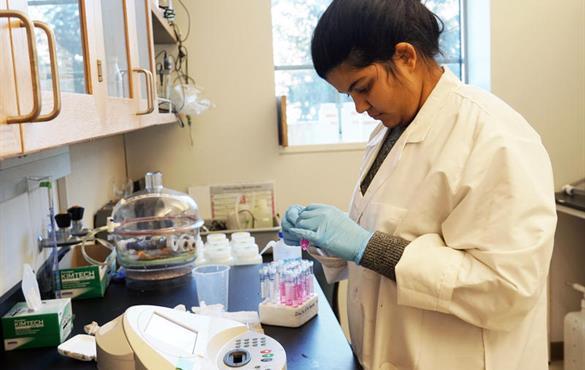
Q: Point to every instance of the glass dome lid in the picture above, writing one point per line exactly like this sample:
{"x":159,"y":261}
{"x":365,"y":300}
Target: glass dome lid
{"x":156,"y":210}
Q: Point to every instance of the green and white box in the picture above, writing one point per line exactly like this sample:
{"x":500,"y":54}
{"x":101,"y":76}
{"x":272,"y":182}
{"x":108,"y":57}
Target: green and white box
{"x":48,"y":326}
{"x":79,"y":279}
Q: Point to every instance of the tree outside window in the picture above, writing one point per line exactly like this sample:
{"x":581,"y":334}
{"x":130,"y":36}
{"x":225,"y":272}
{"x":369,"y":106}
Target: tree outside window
{"x":316,"y":112}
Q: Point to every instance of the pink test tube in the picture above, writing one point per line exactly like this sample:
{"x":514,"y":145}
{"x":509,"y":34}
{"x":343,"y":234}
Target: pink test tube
{"x":289,"y":290}
{"x":298,"y":290}
{"x":305,"y":244}
{"x":301,"y":287}
{"x":310,"y":289}
{"x":306,"y":278}
{"x":282,"y":288}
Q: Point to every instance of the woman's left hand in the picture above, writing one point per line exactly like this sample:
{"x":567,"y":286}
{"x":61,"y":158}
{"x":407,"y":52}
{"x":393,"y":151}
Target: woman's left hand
{"x":332,"y":230}
{"x":288,"y":221}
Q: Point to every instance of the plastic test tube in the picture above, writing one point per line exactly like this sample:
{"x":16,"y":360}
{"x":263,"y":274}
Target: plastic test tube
{"x":311,"y":288}
{"x":276,"y":287}
{"x":271,"y":285}
{"x":290,"y":289}
{"x":305,"y":244}
{"x":288,"y":283}
{"x":262,"y":284}
{"x":282,"y":286}
{"x":300,"y":294}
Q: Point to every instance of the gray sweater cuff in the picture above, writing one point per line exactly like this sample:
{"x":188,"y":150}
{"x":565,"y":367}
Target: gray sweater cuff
{"x":383,"y":252}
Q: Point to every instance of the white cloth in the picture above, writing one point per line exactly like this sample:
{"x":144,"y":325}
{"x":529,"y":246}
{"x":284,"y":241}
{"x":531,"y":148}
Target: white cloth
{"x":469,"y":183}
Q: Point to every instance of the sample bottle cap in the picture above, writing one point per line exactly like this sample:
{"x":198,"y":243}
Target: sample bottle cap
{"x":153,"y":181}
{"x":240,"y":235}
{"x":218,"y":236}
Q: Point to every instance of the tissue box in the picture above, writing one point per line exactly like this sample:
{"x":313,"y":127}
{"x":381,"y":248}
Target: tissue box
{"x":46,"y":327}
{"x":79,"y":279}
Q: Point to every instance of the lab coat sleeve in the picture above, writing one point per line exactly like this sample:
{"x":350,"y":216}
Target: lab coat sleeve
{"x":489,"y":263}
{"x":335,"y":268}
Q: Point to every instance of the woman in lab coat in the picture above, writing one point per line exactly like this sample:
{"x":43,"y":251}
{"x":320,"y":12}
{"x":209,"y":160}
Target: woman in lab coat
{"x":450,"y":229}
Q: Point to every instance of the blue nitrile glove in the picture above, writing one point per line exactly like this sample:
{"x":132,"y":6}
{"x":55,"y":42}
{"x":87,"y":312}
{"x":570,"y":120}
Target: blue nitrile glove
{"x":288,"y":221}
{"x":331,"y":229}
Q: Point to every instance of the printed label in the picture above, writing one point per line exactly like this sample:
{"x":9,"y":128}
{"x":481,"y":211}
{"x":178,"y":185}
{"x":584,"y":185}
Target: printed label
{"x":75,"y":276}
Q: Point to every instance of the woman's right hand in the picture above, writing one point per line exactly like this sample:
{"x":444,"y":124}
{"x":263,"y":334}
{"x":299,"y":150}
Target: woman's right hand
{"x":289,"y":221}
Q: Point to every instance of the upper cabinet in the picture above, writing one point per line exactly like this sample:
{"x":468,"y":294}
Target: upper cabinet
{"x":10,"y":142}
{"x":88,"y":66}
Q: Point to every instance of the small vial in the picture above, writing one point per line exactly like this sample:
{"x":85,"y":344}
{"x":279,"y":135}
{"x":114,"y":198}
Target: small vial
{"x":305,"y":244}
{"x":272,"y":291}
{"x":304,"y":284}
{"x":282,"y":287}
{"x":262,"y":284}
{"x":276,"y":298}
{"x":289,"y":290}
{"x":311,"y":289}
{"x":295,"y":297}
{"x":299,"y":288}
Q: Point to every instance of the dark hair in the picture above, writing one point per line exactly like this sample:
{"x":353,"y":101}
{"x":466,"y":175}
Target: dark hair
{"x":363,"y":32}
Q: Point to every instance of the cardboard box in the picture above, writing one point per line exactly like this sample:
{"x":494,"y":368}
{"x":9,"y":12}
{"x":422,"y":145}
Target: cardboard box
{"x":79,"y":279}
{"x":49,"y":326}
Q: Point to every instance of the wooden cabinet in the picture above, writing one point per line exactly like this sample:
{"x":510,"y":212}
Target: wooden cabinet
{"x":10,"y":111}
{"x":103,"y":55}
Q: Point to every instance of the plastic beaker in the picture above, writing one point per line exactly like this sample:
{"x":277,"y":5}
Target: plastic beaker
{"x":212,"y":282}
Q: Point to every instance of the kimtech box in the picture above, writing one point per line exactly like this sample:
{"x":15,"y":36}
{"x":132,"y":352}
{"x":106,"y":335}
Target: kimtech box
{"x":80,"y":279}
{"x":46,"y":327}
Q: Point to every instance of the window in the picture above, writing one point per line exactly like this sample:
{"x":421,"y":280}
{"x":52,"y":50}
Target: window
{"x":316,"y":112}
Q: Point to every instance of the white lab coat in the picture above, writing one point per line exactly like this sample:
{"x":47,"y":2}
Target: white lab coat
{"x":470,"y":185}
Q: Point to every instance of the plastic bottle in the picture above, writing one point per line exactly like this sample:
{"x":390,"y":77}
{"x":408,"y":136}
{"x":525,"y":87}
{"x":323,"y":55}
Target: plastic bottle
{"x":218,"y":252}
{"x":574,"y":335}
{"x":281,"y":251}
{"x":245,"y":252}
{"x":262,"y":214}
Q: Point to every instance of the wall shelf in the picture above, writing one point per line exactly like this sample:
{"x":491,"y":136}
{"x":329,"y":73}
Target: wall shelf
{"x":162,"y":32}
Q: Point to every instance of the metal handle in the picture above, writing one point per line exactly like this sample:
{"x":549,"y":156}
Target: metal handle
{"x":54,"y":74}
{"x":34,"y":70}
{"x":149,"y":89}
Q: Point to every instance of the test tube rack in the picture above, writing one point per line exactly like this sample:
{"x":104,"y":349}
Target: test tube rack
{"x":289,"y":316}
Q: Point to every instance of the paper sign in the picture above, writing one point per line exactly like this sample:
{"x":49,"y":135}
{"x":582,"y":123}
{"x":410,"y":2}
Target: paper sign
{"x":226,"y":199}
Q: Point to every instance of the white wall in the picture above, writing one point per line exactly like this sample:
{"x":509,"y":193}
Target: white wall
{"x":21,"y":221}
{"x":538,"y":67}
{"x":94,"y":167}
{"x":230,"y":50}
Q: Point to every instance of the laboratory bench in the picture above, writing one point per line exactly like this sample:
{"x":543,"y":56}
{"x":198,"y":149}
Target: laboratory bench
{"x":319,"y":344}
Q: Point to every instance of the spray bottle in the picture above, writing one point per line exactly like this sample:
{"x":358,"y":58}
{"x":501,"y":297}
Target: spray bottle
{"x":574,"y":335}
{"x":281,"y":251}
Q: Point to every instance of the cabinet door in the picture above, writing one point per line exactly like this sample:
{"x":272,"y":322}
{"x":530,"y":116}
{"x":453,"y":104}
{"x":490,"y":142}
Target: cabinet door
{"x":141,"y":49}
{"x":78,"y":119}
{"x":10,"y":143}
{"x":119,"y":108}
{"x":143,"y":54}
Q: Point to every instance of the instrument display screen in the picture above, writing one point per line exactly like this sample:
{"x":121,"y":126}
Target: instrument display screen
{"x":171,"y":333}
